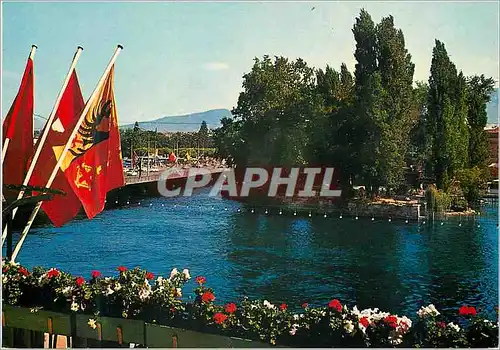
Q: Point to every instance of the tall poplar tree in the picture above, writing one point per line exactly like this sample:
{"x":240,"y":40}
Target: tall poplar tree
{"x":446,"y":121}
{"x":479,"y":90}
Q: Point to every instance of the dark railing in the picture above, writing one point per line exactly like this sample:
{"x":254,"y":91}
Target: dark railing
{"x":24,"y":327}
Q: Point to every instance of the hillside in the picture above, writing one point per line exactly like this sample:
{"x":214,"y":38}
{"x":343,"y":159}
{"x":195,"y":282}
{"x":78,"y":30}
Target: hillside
{"x":184,"y":123}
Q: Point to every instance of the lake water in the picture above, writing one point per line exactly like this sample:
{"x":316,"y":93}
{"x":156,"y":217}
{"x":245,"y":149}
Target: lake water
{"x":391,"y":265}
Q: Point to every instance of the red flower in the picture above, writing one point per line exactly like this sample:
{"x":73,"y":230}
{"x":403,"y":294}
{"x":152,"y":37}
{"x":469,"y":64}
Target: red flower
{"x":219,"y":317}
{"x":305,"y":305}
{"x":441,"y":324}
{"x":230,"y":308}
{"x":200,"y":280}
{"x":207,"y":297}
{"x":96,"y":274}
{"x":392,"y":321}
{"x":467,"y":310}
{"x":149,"y":275}
{"x":283,"y":307}
{"x":335,"y":304}
{"x":53,"y":273}
{"x":79,"y":281}
{"x":364,"y":322}
{"x":121,"y":268}
{"x":23,"y":271}
{"x":5,"y":269}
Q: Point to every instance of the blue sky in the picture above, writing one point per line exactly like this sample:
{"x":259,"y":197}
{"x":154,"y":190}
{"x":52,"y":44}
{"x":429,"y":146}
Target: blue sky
{"x":181,"y":58}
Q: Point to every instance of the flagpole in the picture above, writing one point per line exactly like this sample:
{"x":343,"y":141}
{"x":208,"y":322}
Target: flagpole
{"x":66,"y":148}
{"x":46,"y":129}
{"x":7,"y":140}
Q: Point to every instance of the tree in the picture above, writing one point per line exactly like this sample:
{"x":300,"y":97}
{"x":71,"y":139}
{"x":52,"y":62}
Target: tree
{"x":396,"y":74}
{"x":446,"y":122}
{"x":368,"y":111}
{"x":277,"y":109}
{"x":479,"y":90}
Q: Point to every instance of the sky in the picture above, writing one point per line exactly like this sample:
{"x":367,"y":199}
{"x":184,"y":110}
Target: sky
{"x":186,"y":57}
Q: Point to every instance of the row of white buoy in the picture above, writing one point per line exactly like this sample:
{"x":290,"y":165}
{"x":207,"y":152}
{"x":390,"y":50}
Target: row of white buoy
{"x":252,"y":211}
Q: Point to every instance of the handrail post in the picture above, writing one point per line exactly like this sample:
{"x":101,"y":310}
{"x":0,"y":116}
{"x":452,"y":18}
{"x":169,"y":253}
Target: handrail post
{"x":9,"y":236}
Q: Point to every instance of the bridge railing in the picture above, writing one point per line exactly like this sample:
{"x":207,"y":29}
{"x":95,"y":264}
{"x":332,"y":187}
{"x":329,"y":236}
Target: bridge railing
{"x":22,"y":327}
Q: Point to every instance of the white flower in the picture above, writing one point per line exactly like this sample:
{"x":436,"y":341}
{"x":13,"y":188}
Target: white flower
{"x":454,"y":326}
{"x":179,"y":292}
{"x":186,"y":274}
{"x":118,"y":286}
{"x":109,"y":291}
{"x":159,"y":280}
{"x":74,"y":306}
{"x":349,"y":326}
{"x":4,"y":279}
{"x":427,"y":311}
{"x":92,"y":323}
{"x":173,"y":273}
{"x":67,"y":291}
{"x":268,"y":304}
{"x":295,"y":317}
{"x":145,"y":292}
{"x":294,"y":329}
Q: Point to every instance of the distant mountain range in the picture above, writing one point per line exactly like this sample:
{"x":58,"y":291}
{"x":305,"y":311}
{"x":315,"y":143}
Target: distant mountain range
{"x":184,"y":123}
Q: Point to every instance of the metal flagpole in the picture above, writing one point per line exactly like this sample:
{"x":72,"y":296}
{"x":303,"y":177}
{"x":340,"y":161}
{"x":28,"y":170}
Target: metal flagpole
{"x":46,"y":129}
{"x":7,"y":140}
{"x":66,"y":148}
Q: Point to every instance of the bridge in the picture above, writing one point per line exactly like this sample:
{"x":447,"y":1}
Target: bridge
{"x":176,"y":173}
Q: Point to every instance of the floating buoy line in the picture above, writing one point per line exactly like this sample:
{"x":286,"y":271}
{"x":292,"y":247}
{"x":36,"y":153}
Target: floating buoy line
{"x":308,"y":213}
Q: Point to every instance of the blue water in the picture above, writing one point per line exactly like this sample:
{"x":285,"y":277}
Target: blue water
{"x":391,"y":265}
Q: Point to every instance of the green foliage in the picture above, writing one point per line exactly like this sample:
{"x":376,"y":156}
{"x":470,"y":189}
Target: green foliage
{"x":447,"y":128}
{"x":143,"y":140}
{"x":479,"y":90}
{"x":370,"y":126}
{"x":437,"y":201}
{"x":473,"y":184}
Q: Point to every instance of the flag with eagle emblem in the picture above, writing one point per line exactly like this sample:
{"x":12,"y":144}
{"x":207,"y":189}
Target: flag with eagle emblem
{"x":61,"y":209}
{"x":93,"y":164}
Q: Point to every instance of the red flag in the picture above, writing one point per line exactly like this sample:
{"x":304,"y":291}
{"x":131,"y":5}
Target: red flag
{"x":93,"y":164}
{"x":61,"y":209}
{"x":18,"y":128}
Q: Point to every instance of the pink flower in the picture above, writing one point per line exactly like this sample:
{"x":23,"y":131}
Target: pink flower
{"x":200,"y":280}
{"x":305,"y":305}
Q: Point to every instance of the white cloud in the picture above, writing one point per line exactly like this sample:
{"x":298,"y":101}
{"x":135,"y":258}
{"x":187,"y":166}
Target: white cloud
{"x":216,"y":66}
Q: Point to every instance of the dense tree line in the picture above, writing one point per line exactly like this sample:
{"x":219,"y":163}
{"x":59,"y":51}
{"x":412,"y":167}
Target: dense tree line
{"x":143,"y":140}
{"x":371,"y":124}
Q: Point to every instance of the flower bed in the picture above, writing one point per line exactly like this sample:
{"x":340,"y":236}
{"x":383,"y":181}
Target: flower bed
{"x":139,"y":295}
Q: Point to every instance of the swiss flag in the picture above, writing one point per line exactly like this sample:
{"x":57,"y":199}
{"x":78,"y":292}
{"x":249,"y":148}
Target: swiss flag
{"x":18,"y":129}
{"x":61,"y":209}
